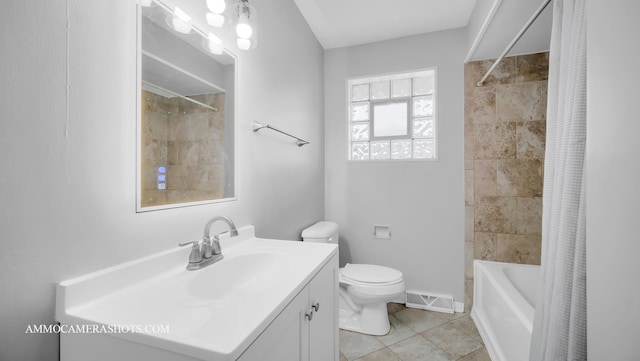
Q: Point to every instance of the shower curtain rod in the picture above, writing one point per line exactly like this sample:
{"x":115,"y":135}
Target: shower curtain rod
{"x":514,"y":41}
{"x":180,"y":96}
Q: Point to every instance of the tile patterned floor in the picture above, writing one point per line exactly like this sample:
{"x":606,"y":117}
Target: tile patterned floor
{"x":417,"y":335}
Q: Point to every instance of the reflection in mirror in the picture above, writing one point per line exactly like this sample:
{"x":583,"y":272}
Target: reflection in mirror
{"x":186,"y":128}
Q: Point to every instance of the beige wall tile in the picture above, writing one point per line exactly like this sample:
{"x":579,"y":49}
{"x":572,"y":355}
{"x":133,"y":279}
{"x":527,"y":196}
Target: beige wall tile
{"x":483,"y":105}
{"x":187,"y":153}
{"x":516,"y":248}
{"x":520,"y":177}
{"x":468,"y":187}
{"x":486,"y":246}
{"x":494,"y":141}
{"x":177,"y":177}
{"x":529,"y":216}
{"x":154,"y":198}
{"x":519,"y":102}
{"x":495,"y":214}
{"x":532,"y":67}
{"x":505,"y":73}
{"x":468,"y":145}
{"x":544,"y":87}
{"x":468,"y":232}
{"x":531,"y":138}
{"x":468,"y":295}
{"x":148,"y":182}
{"x":484,"y":177}
{"x":469,"y":256}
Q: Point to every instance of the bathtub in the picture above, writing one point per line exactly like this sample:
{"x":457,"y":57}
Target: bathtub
{"x":504,"y":297}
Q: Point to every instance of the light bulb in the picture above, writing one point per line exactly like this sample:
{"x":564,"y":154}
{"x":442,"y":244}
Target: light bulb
{"x":244,"y":44}
{"x":244,"y":30}
{"x":215,"y":20}
{"x":246,"y":25}
{"x":216,"y":6}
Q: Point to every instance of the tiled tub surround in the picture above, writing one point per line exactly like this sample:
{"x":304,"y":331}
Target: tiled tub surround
{"x":505,"y":122}
{"x":187,"y":140}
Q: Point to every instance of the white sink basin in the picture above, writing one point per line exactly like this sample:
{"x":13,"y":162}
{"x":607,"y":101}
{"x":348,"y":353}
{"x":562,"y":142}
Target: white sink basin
{"x":251,"y":273}
{"x":213,"y":313}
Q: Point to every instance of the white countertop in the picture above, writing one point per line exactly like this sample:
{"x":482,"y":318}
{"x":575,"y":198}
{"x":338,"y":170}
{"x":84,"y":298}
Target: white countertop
{"x":213,"y":313}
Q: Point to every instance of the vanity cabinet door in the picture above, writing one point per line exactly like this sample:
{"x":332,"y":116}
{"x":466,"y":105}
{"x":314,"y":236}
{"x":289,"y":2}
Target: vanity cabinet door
{"x":286,"y":338}
{"x":302,"y":332}
{"x":323,"y":328}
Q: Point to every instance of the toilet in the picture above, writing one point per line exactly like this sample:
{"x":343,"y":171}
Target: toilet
{"x":364,"y":290}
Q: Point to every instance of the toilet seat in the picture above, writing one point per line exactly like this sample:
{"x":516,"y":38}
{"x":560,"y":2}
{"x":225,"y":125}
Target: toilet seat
{"x":370,"y":275}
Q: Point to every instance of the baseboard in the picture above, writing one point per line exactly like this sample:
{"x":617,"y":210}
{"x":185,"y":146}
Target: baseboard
{"x":458,"y":307}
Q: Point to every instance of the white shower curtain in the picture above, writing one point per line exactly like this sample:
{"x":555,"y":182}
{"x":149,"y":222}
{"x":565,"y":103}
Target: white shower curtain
{"x":559,"y":330}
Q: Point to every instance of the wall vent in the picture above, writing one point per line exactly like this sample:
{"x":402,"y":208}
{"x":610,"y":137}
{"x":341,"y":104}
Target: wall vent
{"x":431,"y":302}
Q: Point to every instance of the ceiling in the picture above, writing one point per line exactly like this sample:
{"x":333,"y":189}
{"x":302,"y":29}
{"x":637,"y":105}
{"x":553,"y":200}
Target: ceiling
{"x":340,"y":23}
{"x":491,"y":24}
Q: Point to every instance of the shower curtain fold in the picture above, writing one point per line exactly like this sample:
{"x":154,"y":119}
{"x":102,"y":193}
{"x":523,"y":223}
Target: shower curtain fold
{"x":559,"y":330}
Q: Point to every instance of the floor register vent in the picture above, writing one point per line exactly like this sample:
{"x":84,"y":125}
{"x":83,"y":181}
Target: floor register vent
{"x":431,"y":302}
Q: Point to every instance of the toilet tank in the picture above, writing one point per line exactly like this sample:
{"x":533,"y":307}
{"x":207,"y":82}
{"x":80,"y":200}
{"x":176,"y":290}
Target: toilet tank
{"x":321,"y":232}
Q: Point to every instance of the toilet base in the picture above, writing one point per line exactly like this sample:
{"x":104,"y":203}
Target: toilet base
{"x":370,"y":319}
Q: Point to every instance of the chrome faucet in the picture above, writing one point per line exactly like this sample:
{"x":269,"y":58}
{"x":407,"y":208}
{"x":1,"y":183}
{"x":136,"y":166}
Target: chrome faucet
{"x":207,"y":251}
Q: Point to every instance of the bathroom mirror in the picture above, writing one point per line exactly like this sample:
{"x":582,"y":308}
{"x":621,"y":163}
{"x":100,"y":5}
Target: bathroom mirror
{"x":186,"y":132}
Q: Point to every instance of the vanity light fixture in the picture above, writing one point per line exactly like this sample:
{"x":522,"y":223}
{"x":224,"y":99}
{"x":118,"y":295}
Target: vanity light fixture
{"x":246,"y":25}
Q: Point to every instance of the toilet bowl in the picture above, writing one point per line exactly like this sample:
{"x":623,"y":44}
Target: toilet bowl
{"x":364,"y":289}
{"x":364,"y":292}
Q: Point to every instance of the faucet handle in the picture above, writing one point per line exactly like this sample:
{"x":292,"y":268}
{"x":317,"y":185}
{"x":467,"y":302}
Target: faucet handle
{"x":184,"y":244}
{"x":196,"y":255}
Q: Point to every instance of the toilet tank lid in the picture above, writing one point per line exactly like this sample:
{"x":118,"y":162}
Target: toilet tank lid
{"x":321,"y":230}
{"x":371,"y":273}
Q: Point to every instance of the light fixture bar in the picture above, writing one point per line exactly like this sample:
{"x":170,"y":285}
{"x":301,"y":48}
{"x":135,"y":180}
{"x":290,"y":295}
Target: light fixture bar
{"x":196,"y":27}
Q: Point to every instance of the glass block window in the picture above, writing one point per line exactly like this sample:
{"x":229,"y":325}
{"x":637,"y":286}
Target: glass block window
{"x":393,"y":117}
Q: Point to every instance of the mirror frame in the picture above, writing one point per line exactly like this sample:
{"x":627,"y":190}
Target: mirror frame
{"x":138,"y":132}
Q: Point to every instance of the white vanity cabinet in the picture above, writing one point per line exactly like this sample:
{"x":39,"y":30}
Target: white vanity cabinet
{"x":307,"y":329}
{"x":251,"y":305}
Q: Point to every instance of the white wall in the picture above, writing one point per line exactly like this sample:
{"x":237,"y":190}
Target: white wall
{"x":67,"y":140}
{"x":613,"y":174}
{"x":422,"y":201}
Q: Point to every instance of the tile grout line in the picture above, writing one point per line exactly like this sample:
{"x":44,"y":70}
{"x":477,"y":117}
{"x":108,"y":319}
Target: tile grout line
{"x":445,"y":323}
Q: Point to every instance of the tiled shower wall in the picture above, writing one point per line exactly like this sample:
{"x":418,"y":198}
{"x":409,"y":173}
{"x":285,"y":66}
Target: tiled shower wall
{"x":505,"y":123}
{"x":186,"y":139}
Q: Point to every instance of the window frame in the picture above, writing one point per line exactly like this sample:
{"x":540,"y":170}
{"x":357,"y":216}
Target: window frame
{"x":411,"y":117}
{"x":372,"y":118}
